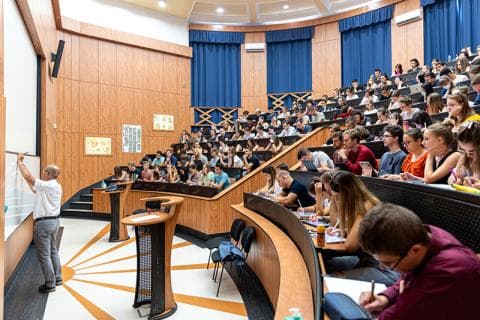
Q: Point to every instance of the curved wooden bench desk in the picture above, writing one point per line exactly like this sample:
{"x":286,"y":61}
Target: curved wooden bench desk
{"x":279,"y":265}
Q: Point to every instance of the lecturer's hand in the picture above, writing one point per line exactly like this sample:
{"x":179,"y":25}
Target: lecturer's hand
{"x":20,"y":157}
{"x":378,"y":303}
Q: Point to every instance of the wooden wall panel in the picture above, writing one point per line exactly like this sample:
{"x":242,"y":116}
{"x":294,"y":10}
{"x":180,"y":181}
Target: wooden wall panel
{"x":326,"y":59}
{"x":407,"y":40}
{"x":109,"y":85}
{"x":254,"y":75}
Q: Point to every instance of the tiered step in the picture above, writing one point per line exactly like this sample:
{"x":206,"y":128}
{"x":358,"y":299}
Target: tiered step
{"x":82,"y":207}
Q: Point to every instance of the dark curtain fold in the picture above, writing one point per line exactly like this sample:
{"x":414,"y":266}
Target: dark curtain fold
{"x":366,"y":19}
{"x":289,"y":60}
{"x":367,"y":47}
{"x":216,"y":69}
{"x":449,"y":26}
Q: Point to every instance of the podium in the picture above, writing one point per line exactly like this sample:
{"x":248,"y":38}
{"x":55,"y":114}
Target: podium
{"x":118,"y":231}
{"x":154,"y":235}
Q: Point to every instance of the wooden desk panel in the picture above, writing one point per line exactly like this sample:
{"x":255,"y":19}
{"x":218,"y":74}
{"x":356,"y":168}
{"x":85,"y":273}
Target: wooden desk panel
{"x":278,"y":264}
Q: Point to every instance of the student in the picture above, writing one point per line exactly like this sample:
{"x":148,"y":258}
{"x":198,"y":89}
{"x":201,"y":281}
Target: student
{"x":406,"y":107}
{"x":326,"y":204}
{"x":320,"y":159}
{"x":382,"y":116}
{"x":369,"y":95}
{"x":146,"y":174}
{"x":435,"y":104}
{"x":170,"y":158}
{"x":159,"y":159}
{"x":351,"y":95}
{"x":391,"y":161}
{"x":302,"y":128}
{"x":415,"y":161}
{"x":421,"y":120}
{"x":459,"y":110}
{"x":397,"y":71}
{"x":447,"y":86}
{"x":288,"y":130}
{"x":467,"y":171}
{"x":250,"y":161}
{"x":355,"y":86}
{"x":437,"y":140}
{"x":206,"y":176}
{"x":221,"y":181}
{"x":337,"y":142}
{"x":354,"y":153}
{"x":132,"y":171}
{"x":275,"y":145}
{"x":233,"y":161}
{"x":272,"y":185}
{"x":354,"y":201}
{"x":395,"y":118}
{"x":476,"y":87}
{"x":414,"y":65}
{"x":293,"y":192}
{"x":455,"y":78}
{"x":119,"y":174}
{"x":439,"y":273}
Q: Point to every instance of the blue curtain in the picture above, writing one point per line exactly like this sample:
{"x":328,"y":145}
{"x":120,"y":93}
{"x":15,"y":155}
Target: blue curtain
{"x":216,"y":68}
{"x":366,"y":44}
{"x":289,"y":60}
{"x":449,"y":26}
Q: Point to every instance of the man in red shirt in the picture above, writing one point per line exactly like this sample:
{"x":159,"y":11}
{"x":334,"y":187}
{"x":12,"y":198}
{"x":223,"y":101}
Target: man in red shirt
{"x":354,"y":153}
{"x":440,"y":275}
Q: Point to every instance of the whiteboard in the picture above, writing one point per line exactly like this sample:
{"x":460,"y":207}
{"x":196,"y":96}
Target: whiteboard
{"x":18,"y":195}
{"x":20,"y":82}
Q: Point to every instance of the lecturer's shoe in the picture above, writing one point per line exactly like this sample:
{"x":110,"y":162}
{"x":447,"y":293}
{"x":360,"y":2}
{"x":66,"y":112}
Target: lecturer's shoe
{"x":44,"y":289}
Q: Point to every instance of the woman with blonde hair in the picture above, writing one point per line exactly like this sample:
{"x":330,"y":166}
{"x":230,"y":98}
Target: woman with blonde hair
{"x":434,"y":103}
{"x":354,"y":201}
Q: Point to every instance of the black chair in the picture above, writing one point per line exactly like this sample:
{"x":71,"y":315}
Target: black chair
{"x":248,"y":235}
{"x":235,"y":232}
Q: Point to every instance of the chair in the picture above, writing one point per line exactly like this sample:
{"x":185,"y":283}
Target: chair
{"x":235,"y":232}
{"x":248,"y":235}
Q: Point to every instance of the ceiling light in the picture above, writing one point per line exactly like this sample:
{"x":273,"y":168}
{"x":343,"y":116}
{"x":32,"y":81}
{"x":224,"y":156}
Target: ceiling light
{"x":286,"y":6}
{"x":162,"y":3}
{"x":220,"y":10}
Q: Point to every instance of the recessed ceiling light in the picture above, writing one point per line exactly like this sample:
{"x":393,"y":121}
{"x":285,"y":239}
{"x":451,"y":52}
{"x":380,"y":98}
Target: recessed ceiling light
{"x":286,"y":6}
{"x":220,"y":10}
{"x":162,"y":3}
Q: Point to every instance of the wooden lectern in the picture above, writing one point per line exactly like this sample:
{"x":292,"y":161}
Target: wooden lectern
{"x":118,"y":231}
{"x":154,"y":235}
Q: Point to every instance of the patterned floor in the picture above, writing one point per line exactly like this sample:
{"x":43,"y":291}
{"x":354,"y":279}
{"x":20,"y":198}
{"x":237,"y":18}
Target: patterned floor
{"x":99,"y":279}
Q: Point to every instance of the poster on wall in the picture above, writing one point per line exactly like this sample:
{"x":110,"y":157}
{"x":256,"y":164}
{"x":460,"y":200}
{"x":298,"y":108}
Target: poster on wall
{"x":98,"y":146}
{"x":163,"y":122}
{"x":132,"y":138}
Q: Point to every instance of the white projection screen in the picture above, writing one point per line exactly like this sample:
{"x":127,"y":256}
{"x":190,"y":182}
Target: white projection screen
{"x":20,"y":85}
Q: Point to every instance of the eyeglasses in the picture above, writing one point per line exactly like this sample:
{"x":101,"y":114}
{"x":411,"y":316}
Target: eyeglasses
{"x":388,"y":265}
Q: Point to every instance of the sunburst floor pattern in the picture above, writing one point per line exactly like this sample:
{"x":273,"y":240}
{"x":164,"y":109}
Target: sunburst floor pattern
{"x":99,"y":279}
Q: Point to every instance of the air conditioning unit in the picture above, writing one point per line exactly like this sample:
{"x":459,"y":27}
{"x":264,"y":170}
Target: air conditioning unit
{"x":255,"y":47}
{"x":408,"y":17}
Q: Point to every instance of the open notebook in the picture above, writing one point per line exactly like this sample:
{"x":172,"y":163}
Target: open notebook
{"x":352,"y":288}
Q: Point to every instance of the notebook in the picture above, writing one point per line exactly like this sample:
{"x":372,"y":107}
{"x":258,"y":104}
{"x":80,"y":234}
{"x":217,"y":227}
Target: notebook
{"x":352,"y":288}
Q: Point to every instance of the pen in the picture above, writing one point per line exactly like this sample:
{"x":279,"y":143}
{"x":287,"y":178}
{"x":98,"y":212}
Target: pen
{"x":372,"y":292}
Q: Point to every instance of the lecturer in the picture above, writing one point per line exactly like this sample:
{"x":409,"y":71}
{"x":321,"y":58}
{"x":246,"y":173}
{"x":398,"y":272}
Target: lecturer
{"x":46,"y":209}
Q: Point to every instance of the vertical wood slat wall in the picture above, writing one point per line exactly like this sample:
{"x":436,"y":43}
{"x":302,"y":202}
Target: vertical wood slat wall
{"x":103,"y":85}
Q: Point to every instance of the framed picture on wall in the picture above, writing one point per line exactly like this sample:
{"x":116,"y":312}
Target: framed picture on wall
{"x":98,"y":146}
{"x":131,"y":138}
{"x":163,"y":122}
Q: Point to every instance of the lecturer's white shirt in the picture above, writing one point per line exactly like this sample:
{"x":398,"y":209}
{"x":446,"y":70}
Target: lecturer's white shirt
{"x":48,"y":197}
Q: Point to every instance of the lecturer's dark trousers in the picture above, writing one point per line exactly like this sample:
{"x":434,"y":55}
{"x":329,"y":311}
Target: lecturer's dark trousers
{"x":45,"y":236}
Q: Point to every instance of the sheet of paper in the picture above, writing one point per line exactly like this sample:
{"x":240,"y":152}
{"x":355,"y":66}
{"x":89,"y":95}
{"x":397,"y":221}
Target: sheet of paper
{"x":333,"y":238}
{"x":351,"y":288}
{"x":145,"y":218}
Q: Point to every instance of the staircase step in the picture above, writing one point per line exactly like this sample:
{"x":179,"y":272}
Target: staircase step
{"x":86,"y":197}
{"x":85,"y":205}
{"x":78,"y":210}
{"x":82,"y":213}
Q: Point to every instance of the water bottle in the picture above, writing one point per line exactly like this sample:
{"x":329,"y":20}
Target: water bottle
{"x":104,"y":185}
{"x":295,"y":314}
{"x":449,"y":58}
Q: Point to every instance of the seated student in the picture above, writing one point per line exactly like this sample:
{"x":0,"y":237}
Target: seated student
{"x":370,"y":108}
{"x":132,"y":171}
{"x":350,"y":95}
{"x":459,"y":110}
{"x":355,"y":86}
{"x":467,"y":171}
{"x":320,"y":159}
{"x":275,"y":145}
{"x":214,"y":159}
{"x":455,"y":78}
{"x":275,"y":123}
{"x":119,"y":174}
{"x":183,"y":174}
{"x":334,"y":127}
{"x":415,"y":161}
{"x":437,"y":140}
{"x":221,"y":180}
{"x":293,"y":192}
{"x":337,"y":143}
{"x":394,"y":100}
{"x":170,"y":158}
{"x":172,"y":174}
{"x":159,"y":159}
{"x":414,"y":65}
{"x":395,"y":119}
{"x":261,"y":134}
{"x":232,"y":160}
{"x":288,"y":130}
{"x":326,"y":204}
{"x":391,"y":161}
{"x":283,"y":113}
{"x":158,"y":175}
{"x":476,"y":87}
{"x":185,"y":137}
{"x":272,"y":185}
{"x":252,"y":145}
{"x":421,"y":120}
{"x":147,"y":173}
{"x":440,"y":274}
{"x":406,"y":107}
{"x":447,"y":86}
{"x":250,"y":161}
{"x":386,"y":93}
{"x":349,"y":261}
{"x":382,"y":116}
{"x":206,"y":176}
{"x":358,"y":117}
{"x":302,"y":128}
{"x":354,"y":153}
{"x":435,"y":104}
{"x":369,"y":94}
{"x":398,"y":71}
